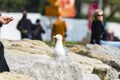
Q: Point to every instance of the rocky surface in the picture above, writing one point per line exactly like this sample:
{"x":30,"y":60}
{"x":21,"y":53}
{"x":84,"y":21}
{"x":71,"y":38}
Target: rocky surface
{"x":35,"y":59}
{"x":107,"y":54}
{"x":28,"y":46}
{"x":44,"y":67}
{"x":14,"y":76}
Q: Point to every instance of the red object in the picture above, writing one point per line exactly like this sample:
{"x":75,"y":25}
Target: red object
{"x":91,"y":9}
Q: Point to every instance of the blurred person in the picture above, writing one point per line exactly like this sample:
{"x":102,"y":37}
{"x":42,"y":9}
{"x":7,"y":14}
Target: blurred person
{"x":25,"y":25}
{"x":111,"y":36}
{"x":3,"y":63}
{"x":37,"y":30}
{"x":97,"y":30}
{"x":59,"y":27}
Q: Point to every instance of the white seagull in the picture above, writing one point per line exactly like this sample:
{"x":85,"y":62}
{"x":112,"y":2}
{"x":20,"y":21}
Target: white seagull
{"x":59,"y":51}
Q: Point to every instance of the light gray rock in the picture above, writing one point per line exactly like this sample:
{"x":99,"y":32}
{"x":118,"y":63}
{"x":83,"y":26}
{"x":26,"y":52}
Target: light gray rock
{"x":95,"y":66}
{"x":28,"y":46}
{"x":91,"y":77}
{"x":14,"y":76}
{"x":108,"y":54}
{"x":34,"y":58}
{"x":44,"y":67}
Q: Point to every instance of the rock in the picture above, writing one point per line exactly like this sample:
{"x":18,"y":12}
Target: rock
{"x":105,"y":73}
{"x":91,"y":77}
{"x":79,"y":49}
{"x":14,"y":76}
{"x":27,"y":46}
{"x":95,"y":66}
{"x":108,"y":54}
{"x":44,"y":67}
{"x":34,"y":58}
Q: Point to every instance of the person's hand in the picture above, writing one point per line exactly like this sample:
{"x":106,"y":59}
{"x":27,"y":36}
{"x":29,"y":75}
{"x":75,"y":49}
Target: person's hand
{"x":5,"y":19}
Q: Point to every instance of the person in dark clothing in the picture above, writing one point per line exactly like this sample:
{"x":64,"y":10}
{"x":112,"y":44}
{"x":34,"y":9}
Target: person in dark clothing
{"x":3,"y":63}
{"x":37,"y":30}
{"x":24,"y":25}
{"x":97,"y":30}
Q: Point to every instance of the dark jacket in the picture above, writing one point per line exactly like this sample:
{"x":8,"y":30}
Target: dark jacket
{"x":24,"y":25}
{"x":37,"y":31}
{"x":97,"y":31}
{"x":3,"y":63}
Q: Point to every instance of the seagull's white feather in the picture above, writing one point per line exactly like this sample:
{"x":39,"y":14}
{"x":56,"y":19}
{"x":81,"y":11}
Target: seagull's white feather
{"x":59,"y":50}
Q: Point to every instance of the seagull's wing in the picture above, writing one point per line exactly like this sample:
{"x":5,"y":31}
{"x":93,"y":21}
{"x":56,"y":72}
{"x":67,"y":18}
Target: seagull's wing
{"x":66,"y":51}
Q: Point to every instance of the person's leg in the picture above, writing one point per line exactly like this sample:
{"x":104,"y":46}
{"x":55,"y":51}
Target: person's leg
{"x":92,"y":39}
{"x":97,"y":40}
{"x":3,"y":63}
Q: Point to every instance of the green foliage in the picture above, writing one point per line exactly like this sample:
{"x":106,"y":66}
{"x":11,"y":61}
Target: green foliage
{"x":114,"y":2}
{"x":88,"y":1}
{"x":115,"y":20}
{"x":79,"y":15}
{"x":12,"y":5}
{"x":18,"y":5}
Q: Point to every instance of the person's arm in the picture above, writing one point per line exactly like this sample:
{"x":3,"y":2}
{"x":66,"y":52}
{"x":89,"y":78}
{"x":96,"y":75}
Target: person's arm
{"x":65,"y":26}
{"x":5,"y":19}
{"x":41,"y":29}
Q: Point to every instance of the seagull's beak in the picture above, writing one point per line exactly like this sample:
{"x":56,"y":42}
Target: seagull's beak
{"x":54,"y":37}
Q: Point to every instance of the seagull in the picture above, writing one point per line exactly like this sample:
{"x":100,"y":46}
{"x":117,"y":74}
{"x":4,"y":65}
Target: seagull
{"x":59,"y":51}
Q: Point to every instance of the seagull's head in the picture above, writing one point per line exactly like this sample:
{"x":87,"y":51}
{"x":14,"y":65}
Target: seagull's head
{"x":58,"y":37}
